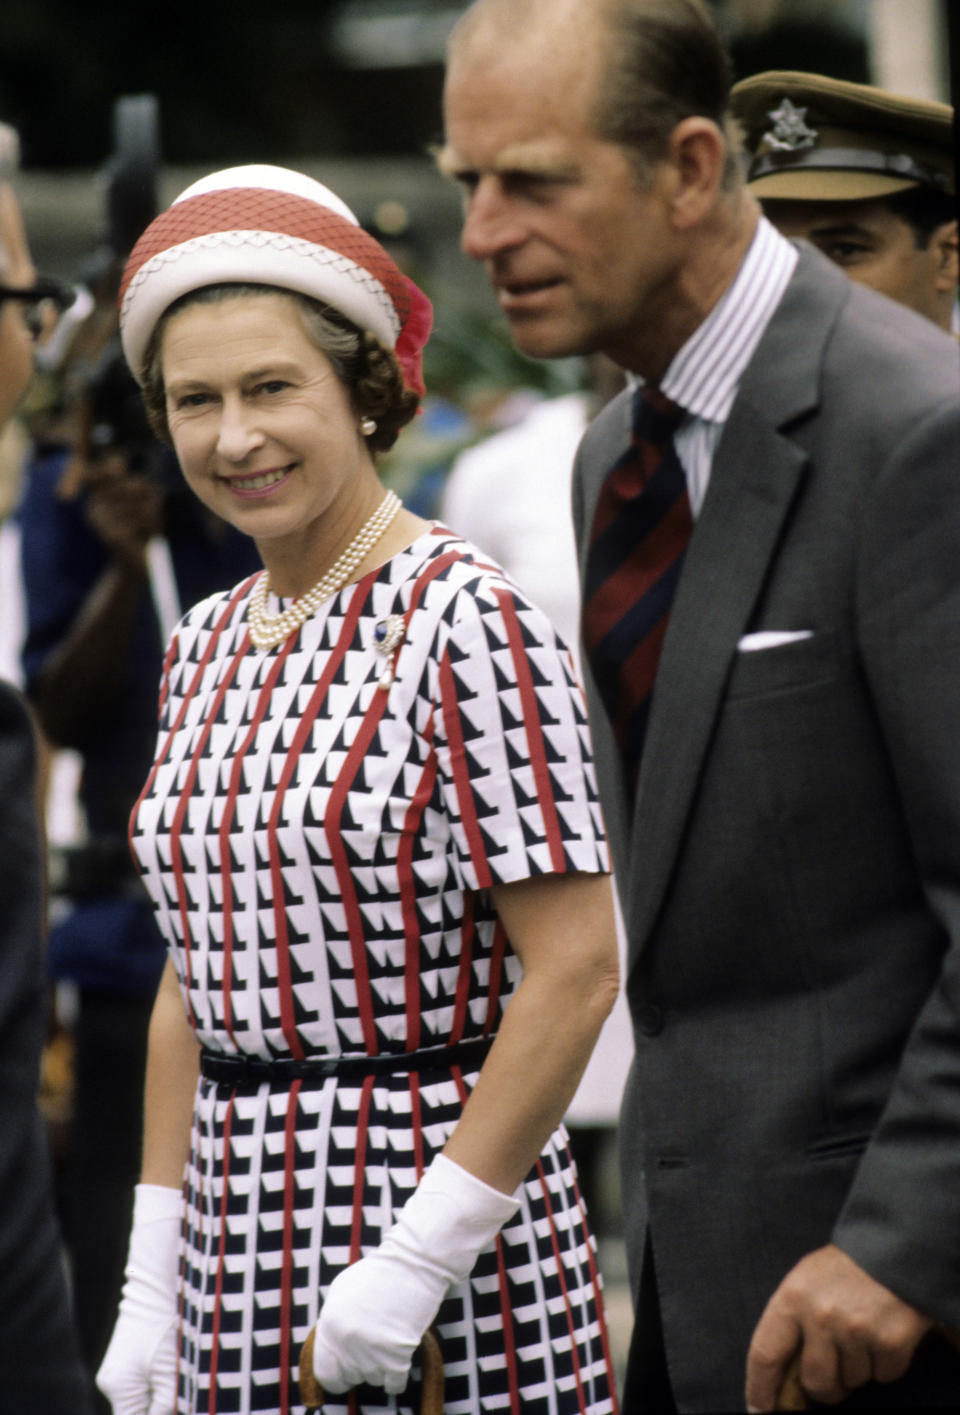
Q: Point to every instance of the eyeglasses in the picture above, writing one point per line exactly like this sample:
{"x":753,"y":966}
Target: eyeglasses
{"x":40,"y":300}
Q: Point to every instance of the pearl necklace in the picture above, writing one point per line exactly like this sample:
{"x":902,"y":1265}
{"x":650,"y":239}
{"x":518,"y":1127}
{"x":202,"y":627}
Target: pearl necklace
{"x":268,"y":630}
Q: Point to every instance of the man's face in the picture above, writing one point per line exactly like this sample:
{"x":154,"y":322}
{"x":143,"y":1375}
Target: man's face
{"x":575,"y":251}
{"x":876,"y":247}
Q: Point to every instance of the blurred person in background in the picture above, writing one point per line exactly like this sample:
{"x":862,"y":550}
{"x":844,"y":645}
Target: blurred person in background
{"x":40,"y":1368}
{"x":866,"y":175}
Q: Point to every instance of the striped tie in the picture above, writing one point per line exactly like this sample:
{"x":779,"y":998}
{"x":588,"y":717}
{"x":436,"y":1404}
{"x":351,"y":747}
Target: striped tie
{"x":640,"y":532}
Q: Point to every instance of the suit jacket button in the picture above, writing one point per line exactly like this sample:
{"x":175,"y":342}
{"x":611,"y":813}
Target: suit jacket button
{"x":650,"y":1020}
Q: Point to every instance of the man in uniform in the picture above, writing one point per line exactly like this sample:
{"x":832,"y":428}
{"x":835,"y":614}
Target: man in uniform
{"x":866,"y":175}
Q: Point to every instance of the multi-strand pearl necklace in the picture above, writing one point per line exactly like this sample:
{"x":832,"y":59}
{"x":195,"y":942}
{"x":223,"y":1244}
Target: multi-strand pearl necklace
{"x":268,"y":630}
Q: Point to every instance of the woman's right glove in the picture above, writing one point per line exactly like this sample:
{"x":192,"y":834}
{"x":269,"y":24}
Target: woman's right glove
{"x":377,"y":1310}
{"x":138,"y":1374}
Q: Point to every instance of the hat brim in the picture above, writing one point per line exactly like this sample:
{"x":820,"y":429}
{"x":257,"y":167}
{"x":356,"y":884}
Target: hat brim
{"x":819,"y":184}
{"x":235,"y":257}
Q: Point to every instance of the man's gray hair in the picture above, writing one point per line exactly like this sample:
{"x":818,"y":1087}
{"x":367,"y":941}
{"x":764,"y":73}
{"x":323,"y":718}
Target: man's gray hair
{"x":661,"y":61}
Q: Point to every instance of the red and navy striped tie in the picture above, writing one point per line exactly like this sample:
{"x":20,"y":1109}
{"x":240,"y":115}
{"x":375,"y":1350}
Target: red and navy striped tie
{"x":641,"y":528}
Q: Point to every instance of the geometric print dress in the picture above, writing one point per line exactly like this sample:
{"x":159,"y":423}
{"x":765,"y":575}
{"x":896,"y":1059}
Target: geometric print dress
{"x":319,"y":833}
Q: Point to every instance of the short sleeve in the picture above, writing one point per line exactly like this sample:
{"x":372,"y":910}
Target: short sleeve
{"x":512,"y":743}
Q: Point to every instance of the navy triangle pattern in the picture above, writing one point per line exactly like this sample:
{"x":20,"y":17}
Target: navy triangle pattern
{"x":318,"y":850}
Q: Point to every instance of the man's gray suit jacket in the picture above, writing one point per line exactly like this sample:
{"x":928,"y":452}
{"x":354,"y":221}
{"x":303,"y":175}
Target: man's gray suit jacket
{"x":790,"y":874}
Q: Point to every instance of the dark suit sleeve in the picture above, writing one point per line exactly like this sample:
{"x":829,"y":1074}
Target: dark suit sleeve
{"x":901,"y":1220}
{"x":39,"y":1364}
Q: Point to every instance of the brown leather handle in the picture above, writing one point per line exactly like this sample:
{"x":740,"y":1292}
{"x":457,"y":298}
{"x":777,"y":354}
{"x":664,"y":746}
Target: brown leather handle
{"x":431,"y":1360}
{"x":793,"y":1396}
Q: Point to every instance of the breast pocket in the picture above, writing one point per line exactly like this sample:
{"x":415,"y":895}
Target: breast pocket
{"x":782,"y":667}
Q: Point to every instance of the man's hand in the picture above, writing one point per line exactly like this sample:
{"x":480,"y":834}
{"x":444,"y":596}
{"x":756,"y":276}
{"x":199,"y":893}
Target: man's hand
{"x":847,"y":1328}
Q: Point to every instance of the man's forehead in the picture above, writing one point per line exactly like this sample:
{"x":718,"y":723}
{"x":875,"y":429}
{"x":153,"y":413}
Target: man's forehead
{"x":534,"y":156}
{"x":550,"y":72}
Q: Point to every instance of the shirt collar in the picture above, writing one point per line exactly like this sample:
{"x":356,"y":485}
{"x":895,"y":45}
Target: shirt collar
{"x":703,"y":377}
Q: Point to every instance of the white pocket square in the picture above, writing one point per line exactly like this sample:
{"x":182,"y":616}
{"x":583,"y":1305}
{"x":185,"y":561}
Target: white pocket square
{"x":771,"y":639}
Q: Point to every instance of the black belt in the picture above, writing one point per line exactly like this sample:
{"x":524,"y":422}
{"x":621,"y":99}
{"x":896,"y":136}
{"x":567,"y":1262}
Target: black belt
{"x":254,"y":1070}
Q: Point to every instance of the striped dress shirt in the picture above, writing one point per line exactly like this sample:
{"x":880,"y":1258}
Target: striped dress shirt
{"x":705,"y":374}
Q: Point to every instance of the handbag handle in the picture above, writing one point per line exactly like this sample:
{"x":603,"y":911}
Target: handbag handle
{"x":431,"y":1360}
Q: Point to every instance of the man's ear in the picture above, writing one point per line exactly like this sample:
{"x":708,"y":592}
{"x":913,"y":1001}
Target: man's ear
{"x":945,"y":242}
{"x":697,"y":152}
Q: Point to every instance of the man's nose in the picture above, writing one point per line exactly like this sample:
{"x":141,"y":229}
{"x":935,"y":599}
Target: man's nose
{"x":491,"y":221}
{"x":238,"y":434}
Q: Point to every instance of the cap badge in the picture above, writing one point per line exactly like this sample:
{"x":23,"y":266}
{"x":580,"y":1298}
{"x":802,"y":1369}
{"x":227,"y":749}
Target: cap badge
{"x":789,"y":132}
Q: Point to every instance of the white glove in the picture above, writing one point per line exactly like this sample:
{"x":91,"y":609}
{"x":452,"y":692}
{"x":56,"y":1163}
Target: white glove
{"x":377,"y":1310}
{"x":138,"y":1374}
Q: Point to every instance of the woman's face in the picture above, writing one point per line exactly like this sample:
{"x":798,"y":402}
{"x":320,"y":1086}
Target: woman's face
{"x":263,"y":428}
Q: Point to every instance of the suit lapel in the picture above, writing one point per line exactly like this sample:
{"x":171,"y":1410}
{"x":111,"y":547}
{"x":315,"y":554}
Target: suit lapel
{"x":726,"y":564}
{"x":754,"y":479}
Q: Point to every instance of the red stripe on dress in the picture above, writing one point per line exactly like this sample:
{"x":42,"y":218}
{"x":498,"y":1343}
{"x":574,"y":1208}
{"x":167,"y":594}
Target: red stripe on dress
{"x":286,"y":1267}
{"x":359,"y":1172}
{"x":229,"y":812}
{"x":195,"y":682}
{"x":180,"y":814}
{"x":468,"y":937}
{"x":534,"y":731}
{"x":595,"y":1282}
{"x":359,"y":1169}
{"x":338,"y":855}
{"x":337,"y":799}
{"x":408,"y":899}
{"x":554,"y":1243}
{"x":503,"y":1286}
{"x":414,"y":815}
{"x":416,"y":1124}
{"x":163,"y":751}
{"x":169,"y":658}
{"x":461,"y":777}
{"x":221,"y":1249}
{"x":506,"y":1318}
{"x":300,"y":738}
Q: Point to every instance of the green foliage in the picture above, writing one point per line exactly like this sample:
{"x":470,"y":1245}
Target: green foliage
{"x":470,"y":354}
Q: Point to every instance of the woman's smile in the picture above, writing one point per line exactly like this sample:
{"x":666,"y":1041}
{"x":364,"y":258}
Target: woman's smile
{"x":256,"y":484}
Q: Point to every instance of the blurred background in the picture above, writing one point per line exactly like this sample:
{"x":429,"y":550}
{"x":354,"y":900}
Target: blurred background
{"x":118,"y":108}
{"x":349,"y":90}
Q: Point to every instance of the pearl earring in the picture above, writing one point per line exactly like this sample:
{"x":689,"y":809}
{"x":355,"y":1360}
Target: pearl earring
{"x":368,"y":426}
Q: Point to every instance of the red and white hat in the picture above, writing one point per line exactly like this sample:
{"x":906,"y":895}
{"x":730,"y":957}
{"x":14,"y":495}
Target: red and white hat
{"x":271,"y":226}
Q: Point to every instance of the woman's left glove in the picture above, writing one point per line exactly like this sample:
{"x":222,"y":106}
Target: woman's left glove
{"x":138,"y":1374}
{"x":376,"y":1311}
